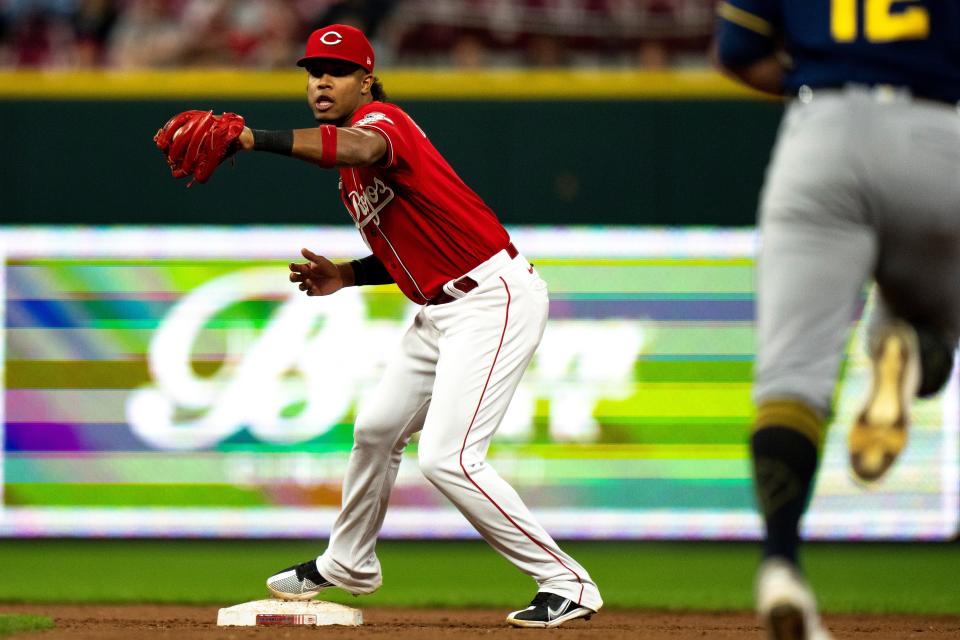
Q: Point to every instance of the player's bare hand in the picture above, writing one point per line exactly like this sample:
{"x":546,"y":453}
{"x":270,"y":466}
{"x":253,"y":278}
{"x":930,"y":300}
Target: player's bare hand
{"x":318,"y":276}
{"x":245,"y":140}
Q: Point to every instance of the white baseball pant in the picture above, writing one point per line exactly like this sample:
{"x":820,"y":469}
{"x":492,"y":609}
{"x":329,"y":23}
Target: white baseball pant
{"x":458,"y":367}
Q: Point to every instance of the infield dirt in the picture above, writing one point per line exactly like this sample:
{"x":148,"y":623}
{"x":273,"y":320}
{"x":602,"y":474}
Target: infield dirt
{"x":149,"y":622}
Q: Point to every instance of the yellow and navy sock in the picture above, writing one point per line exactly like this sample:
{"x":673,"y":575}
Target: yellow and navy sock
{"x":785,"y":446}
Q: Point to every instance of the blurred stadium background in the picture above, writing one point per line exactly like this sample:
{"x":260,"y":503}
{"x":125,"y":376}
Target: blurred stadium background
{"x":160,"y":380}
{"x":267,"y":34}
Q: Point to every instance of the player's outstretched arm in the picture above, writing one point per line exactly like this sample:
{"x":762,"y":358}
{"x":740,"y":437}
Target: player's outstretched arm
{"x":326,"y":146}
{"x":320,"y":277}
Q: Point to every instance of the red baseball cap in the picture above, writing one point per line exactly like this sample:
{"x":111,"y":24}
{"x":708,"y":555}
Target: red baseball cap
{"x":340,"y":42}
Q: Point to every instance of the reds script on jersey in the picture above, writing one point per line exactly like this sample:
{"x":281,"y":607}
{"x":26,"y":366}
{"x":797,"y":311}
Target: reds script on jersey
{"x":437,"y":229}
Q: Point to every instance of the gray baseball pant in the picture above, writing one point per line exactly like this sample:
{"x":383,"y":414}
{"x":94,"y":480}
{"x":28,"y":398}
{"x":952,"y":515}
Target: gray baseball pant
{"x":864,"y":184}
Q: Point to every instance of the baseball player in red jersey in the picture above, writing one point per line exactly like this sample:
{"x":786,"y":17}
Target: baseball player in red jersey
{"x":459,"y":363}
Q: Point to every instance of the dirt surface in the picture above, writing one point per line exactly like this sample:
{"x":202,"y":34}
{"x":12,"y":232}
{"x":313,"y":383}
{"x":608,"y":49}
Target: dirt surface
{"x":148,"y":622}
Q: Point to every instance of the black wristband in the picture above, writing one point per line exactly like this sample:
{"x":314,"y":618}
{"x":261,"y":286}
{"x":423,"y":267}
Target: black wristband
{"x":273,"y":141}
{"x":370,"y":270}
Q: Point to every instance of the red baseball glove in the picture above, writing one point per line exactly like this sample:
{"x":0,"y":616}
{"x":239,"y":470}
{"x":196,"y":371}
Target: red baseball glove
{"x":196,"y":142}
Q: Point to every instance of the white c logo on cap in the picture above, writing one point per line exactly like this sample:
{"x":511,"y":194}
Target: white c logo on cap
{"x":336,"y":39}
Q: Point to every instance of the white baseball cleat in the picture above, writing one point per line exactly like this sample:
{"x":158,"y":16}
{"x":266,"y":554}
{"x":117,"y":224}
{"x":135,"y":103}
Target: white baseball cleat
{"x":785,"y":603}
{"x":879,"y":433}
{"x":301,"y":582}
{"x":548,"y":610}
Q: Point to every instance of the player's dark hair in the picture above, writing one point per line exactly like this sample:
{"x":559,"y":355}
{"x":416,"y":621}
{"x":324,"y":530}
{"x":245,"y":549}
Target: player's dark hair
{"x":377,"y":91}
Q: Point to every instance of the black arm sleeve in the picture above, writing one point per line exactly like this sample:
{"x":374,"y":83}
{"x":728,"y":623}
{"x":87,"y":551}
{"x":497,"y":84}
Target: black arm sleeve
{"x":370,"y":270}
{"x":273,"y":141}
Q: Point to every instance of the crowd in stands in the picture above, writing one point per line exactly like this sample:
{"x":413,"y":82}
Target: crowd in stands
{"x":268,"y":34}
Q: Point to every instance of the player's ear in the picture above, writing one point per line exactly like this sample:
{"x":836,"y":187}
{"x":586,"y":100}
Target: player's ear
{"x":366,"y":83}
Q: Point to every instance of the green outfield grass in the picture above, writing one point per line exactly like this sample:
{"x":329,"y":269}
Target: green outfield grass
{"x":16,"y":623}
{"x":902,"y":578}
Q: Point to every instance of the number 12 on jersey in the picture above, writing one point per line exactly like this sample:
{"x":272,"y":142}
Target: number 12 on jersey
{"x":880,"y":22}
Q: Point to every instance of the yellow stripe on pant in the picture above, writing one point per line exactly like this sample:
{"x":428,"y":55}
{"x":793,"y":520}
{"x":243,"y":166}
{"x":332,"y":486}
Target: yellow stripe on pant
{"x":791,"y":414}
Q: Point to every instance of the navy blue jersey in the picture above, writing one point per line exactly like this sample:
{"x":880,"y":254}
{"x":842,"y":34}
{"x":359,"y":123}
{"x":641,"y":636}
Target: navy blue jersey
{"x":912,"y":43}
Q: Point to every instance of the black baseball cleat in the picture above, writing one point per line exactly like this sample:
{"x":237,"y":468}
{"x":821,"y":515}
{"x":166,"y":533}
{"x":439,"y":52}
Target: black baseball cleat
{"x":301,"y":582}
{"x":936,"y":361}
{"x":548,"y":610}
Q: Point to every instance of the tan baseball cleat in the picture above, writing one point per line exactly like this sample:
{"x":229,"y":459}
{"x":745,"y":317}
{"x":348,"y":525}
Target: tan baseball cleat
{"x":879,"y":433}
{"x":785,"y":603}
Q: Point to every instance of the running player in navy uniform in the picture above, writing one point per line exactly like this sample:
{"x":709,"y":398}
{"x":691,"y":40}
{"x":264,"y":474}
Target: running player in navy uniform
{"x":864,"y":184}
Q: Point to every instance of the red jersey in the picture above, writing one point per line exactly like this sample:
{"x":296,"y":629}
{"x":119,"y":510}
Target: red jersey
{"x":415,"y":213}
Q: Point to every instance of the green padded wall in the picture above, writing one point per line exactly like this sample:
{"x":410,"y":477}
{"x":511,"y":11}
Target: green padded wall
{"x":657,"y":162}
